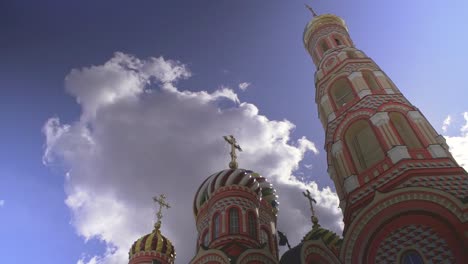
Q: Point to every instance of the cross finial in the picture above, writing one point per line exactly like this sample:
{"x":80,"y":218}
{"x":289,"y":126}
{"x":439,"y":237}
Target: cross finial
{"x":311,"y":203}
{"x":161,"y":200}
{"x":232,"y":141}
{"x":311,"y":10}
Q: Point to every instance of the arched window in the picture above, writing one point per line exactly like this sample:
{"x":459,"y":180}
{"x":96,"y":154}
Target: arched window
{"x":411,"y":257}
{"x":216,"y":225}
{"x":363,"y":145}
{"x":233,"y":221}
{"x":252,"y":221}
{"x":370,"y":80}
{"x":264,"y":237}
{"x":404,"y":130}
{"x":342,"y":92}
{"x":324,"y":45}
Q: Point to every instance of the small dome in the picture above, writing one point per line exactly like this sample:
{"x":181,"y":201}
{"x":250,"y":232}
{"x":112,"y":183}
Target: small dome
{"x":329,"y":238}
{"x":153,"y":244}
{"x":241,"y":177}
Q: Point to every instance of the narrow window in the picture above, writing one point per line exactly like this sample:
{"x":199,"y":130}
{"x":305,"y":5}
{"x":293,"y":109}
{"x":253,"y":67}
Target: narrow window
{"x":411,"y":257}
{"x":233,"y":221}
{"x":404,"y":130}
{"x":342,"y":92}
{"x":364,"y":146}
{"x":216,"y":225}
{"x":264,"y":238}
{"x":252,"y":220}
{"x":337,"y":41}
{"x":324,"y":45}
{"x":205,"y":239}
{"x":370,"y":80}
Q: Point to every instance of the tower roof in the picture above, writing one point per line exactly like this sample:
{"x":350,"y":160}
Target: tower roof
{"x":319,"y":21}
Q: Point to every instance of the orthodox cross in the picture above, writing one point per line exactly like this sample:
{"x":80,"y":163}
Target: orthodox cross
{"x":161,"y":200}
{"x":232,"y":141}
{"x":307,"y":195}
{"x":311,"y":10}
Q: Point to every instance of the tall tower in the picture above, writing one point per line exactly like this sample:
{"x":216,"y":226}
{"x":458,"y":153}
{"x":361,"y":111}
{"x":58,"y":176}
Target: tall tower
{"x":235,"y":213}
{"x":403,"y":196}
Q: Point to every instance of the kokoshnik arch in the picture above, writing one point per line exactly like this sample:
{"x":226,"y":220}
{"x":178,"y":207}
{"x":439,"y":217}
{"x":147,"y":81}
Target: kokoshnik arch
{"x":404,"y":198}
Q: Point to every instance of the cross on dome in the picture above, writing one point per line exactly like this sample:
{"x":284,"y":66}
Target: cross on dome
{"x":311,"y":203}
{"x":232,"y":141}
{"x":161,"y":200}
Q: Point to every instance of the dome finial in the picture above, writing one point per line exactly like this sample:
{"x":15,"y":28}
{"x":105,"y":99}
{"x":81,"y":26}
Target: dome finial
{"x":311,"y":202}
{"x":311,"y":10}
{"x":232,"y":141}
{"x":161,"y":200}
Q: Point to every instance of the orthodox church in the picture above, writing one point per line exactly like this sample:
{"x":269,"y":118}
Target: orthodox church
{"x":403,"y":196}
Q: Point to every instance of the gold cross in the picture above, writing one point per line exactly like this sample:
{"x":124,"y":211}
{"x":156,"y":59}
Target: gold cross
{"x":161,"y":200}
{"x":311,"y":10}
{"x":307,"y":195}
{"x":232,"y":141}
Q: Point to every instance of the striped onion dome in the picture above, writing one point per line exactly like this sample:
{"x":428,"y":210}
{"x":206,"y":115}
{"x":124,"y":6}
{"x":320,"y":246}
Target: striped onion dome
{"x":328,"y":237}
{"x":153,"y":244}
{"x":241,"y":177}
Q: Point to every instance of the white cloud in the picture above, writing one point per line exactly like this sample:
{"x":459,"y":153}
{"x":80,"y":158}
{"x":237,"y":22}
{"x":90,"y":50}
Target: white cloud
{"x":133,"y":142}
{"x":2,"y":203}
{"x":459,"y":144}
{"x":446,"y":123}
{"x":243,"y":86}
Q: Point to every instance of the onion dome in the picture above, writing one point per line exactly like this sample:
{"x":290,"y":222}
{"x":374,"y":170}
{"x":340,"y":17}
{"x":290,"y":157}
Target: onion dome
{"x":239,"y":177}
{"x":329,"y":238}
{"x":154,"y":246}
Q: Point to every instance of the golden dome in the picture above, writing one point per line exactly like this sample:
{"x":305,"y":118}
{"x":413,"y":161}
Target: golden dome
{"x":153,"y":245}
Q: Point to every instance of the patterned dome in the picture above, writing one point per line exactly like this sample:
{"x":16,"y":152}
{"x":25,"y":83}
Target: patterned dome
{"x":329,"y":238}
{"x":153,"y":244}
{"x":241,"y":177}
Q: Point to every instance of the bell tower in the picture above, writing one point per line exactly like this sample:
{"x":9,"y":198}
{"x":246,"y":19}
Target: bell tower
{"x":393,"y":173}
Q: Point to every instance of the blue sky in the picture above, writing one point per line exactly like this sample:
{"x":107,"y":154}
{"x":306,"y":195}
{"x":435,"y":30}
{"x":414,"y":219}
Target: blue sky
{"x":419,"y":44}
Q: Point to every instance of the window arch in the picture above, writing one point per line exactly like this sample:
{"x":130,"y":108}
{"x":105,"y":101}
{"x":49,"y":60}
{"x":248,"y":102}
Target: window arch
{"x":342,"y":92}
{"x":233,"y":221}
{"x":216,"y":225}
{"x":371,"y":80}
{"x":411,"y":257}
{"x":363,"y":145}
{"x":252,"y":222}
{"x":406,"y":132}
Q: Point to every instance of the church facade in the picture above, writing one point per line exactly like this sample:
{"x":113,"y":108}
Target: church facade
{"x":404,"y":198}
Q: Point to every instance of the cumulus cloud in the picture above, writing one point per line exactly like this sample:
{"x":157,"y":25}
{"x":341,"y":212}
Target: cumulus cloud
{"x":446,"y":123}
{"x":139,"y":136}
{"x":459,"y":144}
{"x":243,"y":86}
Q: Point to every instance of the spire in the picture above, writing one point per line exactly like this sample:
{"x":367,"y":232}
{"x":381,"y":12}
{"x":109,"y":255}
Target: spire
{"x":311,"y":203}
{"x":311,"y":10}
{"x":232,"y":141}
{"x":161,"y":200}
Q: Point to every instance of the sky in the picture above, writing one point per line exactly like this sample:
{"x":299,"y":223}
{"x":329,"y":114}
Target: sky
{"x":105,"y":104}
